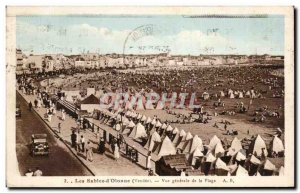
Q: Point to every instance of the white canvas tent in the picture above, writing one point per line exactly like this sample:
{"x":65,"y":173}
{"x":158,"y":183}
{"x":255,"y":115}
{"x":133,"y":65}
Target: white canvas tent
{"x":169,"y":128}
{"x":218,"y":150}
{"x":178,"y":136}
{"x":258,"y":146}
{"x":277,"y":145}
{"x":138,"y":132}
{"x":175,"y":131}
{"x":165,"y":148}
{"x":184,"y":141}
{"x":236,"y":146}
{"x":154,"y":139}
{"x":213,"y":142}
{"x":254,"y":160}
{"x":210,"y":157}
{"x":269,"y":166}
{"x":192,"y":145}
{"x":240,"y":171}
{"x":221,"y":165}
{"x":196,"y":154}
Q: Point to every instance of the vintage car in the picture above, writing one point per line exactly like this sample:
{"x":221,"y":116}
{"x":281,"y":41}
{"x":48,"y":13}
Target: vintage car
{"x":18,"y":110}
{"x":39,"y":145}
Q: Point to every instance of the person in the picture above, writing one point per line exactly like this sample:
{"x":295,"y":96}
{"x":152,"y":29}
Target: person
{"x":49,"y":116}
{"x":29,"y":173}
{"x":63,"y":116}
{"x":116,"y":152}
{"x":73,"y":139}
{"x":59,"y":127}
{"x":30,"y":106}
{"x":182,"y":173}
{"x":150,"y":172}
{"x":37,"y":172}
{"x":101,"y":146}
{"x":148,"y":165}
{"x":89,"y":152}
{"x":77,"y":143}
{"x":82,"y":143}
{"x":35,"y":103}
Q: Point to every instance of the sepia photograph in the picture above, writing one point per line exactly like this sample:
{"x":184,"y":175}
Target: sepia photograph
{"x":150,"y":97}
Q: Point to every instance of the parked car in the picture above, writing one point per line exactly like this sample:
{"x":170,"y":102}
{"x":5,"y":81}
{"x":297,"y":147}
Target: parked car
{"x":18,"y":110}
{"x":39,"y":144}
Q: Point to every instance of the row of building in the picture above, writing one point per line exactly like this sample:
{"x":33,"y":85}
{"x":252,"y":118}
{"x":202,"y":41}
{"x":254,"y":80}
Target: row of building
{"x":52,"y":62}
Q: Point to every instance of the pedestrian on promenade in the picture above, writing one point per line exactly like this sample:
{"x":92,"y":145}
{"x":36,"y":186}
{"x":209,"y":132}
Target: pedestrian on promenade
{"x":35,"y":103}
{"x":73,"y":139}
{"x":89,"y":152}
{"x":101,"y":147}
{"x":116,"y":152}
{"x":59,"y":127}
{"x":77,"y":143}
{"x":82,"y":142}
{"x":49,"y":117}
{"x":37,"y":172}
{"x":30,"y":106}
{"x":63,"y":116}
{"x":148,"y":164}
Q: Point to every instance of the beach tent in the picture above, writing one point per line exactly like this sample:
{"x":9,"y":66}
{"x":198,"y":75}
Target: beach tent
{"x":276,"y":145}
{"x":196,"y":155}
{"x":192,"y":145}
{"x":144,"y":118}
{"x":254,"y":160}
{"x":258,"y":146}
{"x":231,"y":95}
{"x":153,"y":122}
{"x":184,"y":141}
{"x":149,"y":120}
{"x":221,"y":168}
{"x":240,"y":171}
{"x":139,"y":116}
{"x":178,"y":137}
{"x":213,"y":142}
{"x":170,"y":128}
{"x":239,"y":156}
{"x":153,"y":141}
{"x":236,"y":146}
{"x":131,"y":124}
{"x":175,"y":131}
{"x":138,"y":132}
{"x":269,"y":165}
{"x":218,"y":150}
{"x":165,"y":148}
{"x":158,"y":124}
{"x":209,"y":157}
{"x":164,"y":126}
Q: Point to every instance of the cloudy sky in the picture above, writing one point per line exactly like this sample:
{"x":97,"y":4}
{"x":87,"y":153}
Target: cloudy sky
{"x":150,"y":34}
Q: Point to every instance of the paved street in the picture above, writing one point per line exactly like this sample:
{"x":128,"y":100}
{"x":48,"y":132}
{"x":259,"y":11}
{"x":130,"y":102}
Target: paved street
{"x":61,"y":162}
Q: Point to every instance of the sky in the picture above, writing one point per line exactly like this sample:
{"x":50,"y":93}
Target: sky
{"x":151,"y":34}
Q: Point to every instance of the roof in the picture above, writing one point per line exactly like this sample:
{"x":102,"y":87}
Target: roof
{"x":92,"y":99}
{"x":175,"y":161}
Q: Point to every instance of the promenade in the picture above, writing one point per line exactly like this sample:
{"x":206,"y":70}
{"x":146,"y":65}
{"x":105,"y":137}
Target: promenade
{"x":102,"y":165}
